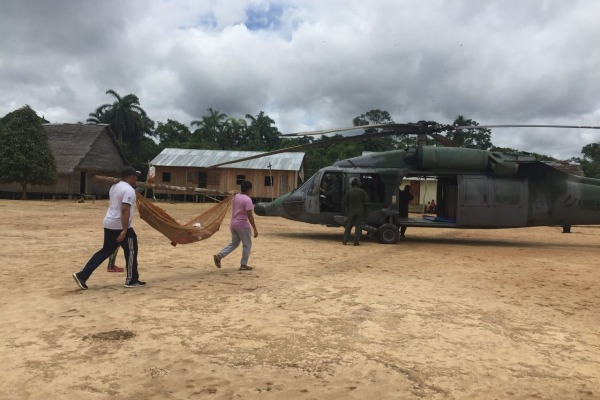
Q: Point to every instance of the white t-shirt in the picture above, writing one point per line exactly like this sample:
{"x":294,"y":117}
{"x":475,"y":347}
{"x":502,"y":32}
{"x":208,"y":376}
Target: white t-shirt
{"x":119,"y":193}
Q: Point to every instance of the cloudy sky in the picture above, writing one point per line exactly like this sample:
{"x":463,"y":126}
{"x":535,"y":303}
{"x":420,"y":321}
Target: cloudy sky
{"x":313,"y":64}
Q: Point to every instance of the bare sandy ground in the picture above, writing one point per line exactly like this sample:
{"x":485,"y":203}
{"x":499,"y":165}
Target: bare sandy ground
{"x":446,"y":314}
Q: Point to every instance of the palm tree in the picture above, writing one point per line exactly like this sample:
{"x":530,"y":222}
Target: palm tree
{"x":234,"y":130}
{"x":210,"y":129}
{"x":261,"y":134}
{"x":100,"y":116}
{"x":127,"y":119}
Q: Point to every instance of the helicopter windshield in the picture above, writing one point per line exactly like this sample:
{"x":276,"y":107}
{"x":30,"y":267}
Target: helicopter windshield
{"x":306,"y":187}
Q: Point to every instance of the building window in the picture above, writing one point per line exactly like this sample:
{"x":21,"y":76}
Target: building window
{"x":239,"y":179}
{"x":190,"y":176}
{"x":166,"y":177}
{"x":214,"y":178}
{"x":269,"y":180}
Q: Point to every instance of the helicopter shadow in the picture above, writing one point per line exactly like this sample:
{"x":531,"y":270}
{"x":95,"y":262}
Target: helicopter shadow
{"x":438,"y":240}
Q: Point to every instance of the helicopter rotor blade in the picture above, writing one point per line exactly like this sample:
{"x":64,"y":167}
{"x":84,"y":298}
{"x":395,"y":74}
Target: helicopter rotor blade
{"x":422,"y":127}
{"x":528,"y":126}
{"x":323,"y":132}
{"x":321,"y":143}
{"x":398,"y":130}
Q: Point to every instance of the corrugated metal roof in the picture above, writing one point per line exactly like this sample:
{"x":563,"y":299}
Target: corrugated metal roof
{"x":291,"y":161}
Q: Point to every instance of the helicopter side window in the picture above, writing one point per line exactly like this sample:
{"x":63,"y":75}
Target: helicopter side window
{"x":374,"y":187}
{"x":475,"y":191}
{"x":507,"y":192}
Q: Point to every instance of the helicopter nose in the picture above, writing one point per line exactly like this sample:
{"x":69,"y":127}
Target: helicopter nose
{"x":260,"y":209}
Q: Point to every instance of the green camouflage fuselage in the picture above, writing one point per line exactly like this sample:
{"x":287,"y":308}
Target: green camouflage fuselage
{"x":475,"y":189}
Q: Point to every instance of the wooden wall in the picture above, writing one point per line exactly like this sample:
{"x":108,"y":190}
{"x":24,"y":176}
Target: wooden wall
{"x":226,"y":179}
{"x":66,"y":184}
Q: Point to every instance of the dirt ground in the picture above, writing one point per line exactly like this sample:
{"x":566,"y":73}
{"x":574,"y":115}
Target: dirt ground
{"x":445,"y":314}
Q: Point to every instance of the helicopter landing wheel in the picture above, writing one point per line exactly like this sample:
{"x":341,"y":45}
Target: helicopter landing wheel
{"x":388,"y":234}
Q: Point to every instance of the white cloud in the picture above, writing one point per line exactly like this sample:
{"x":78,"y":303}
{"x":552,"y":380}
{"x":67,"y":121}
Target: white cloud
{"x":316,"y":65}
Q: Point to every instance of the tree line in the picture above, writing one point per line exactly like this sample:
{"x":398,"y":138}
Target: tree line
{"x":25,"y":156}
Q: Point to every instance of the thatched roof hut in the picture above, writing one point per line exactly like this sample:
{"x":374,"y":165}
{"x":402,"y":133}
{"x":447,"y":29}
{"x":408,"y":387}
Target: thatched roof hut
{"x":81,"y":151}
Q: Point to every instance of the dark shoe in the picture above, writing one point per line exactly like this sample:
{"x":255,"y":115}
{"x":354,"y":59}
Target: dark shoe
{"x":402,"y":235}
{"x":135,"y":284}
{"x":217,"y":259}
{"x":357,"y":244}
{"x":245,"y":268}
{"x":344,"y":243}
{"x":80,"y":283}
{"x":114,"y":268}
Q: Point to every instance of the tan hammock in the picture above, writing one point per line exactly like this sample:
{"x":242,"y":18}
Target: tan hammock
{"x":201,"y":227}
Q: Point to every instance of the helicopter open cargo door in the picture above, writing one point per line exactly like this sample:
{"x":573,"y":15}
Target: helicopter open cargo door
{"x":491,"y":202}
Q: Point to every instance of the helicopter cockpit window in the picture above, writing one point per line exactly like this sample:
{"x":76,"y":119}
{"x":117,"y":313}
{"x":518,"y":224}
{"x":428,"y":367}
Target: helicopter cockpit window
{"x":306,"y":186}
{"x":374,"y":187}
{"x":311,"y":184}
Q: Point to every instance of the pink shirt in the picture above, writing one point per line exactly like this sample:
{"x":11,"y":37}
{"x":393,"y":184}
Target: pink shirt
{"x":239,"y":211}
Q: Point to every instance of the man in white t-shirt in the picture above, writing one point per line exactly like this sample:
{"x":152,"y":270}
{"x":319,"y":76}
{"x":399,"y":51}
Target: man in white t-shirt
{"x":117,"y":231}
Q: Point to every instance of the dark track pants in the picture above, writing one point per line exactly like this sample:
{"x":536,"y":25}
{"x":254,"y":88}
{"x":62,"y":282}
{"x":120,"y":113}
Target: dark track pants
{"x":129,"y":246}
{"x":356,"y":221}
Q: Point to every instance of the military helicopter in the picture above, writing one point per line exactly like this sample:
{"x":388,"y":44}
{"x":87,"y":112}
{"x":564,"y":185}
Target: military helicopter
{"x":475,"y":188}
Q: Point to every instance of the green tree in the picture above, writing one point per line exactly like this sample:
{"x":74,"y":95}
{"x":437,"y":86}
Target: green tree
{"x":100,"y":116}
{"x":590,"y":163}
{"x":25,"y":155}
{"x":262,"y":134}
{"x":210,"y":128}
{"x":234,"y":133}
{"x":376,"y":117}
{"x":476,"y":138}
{"x":173,"y":134}
{"x":373,"y":117}
{"x":323,"y":156}
{"x":147,"y":150}
{"x":127,"y":119}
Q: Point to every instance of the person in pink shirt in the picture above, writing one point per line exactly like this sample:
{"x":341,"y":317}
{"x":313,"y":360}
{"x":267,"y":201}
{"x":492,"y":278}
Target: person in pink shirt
{"x":242,"y":221}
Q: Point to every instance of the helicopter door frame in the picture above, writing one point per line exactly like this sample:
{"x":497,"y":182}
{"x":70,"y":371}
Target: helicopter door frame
{"x":510,"y":201}
{"x":474,"y":201}
{"x":491,"y":202}
{"x":331,"y":194}
{"x":311,"y":203}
